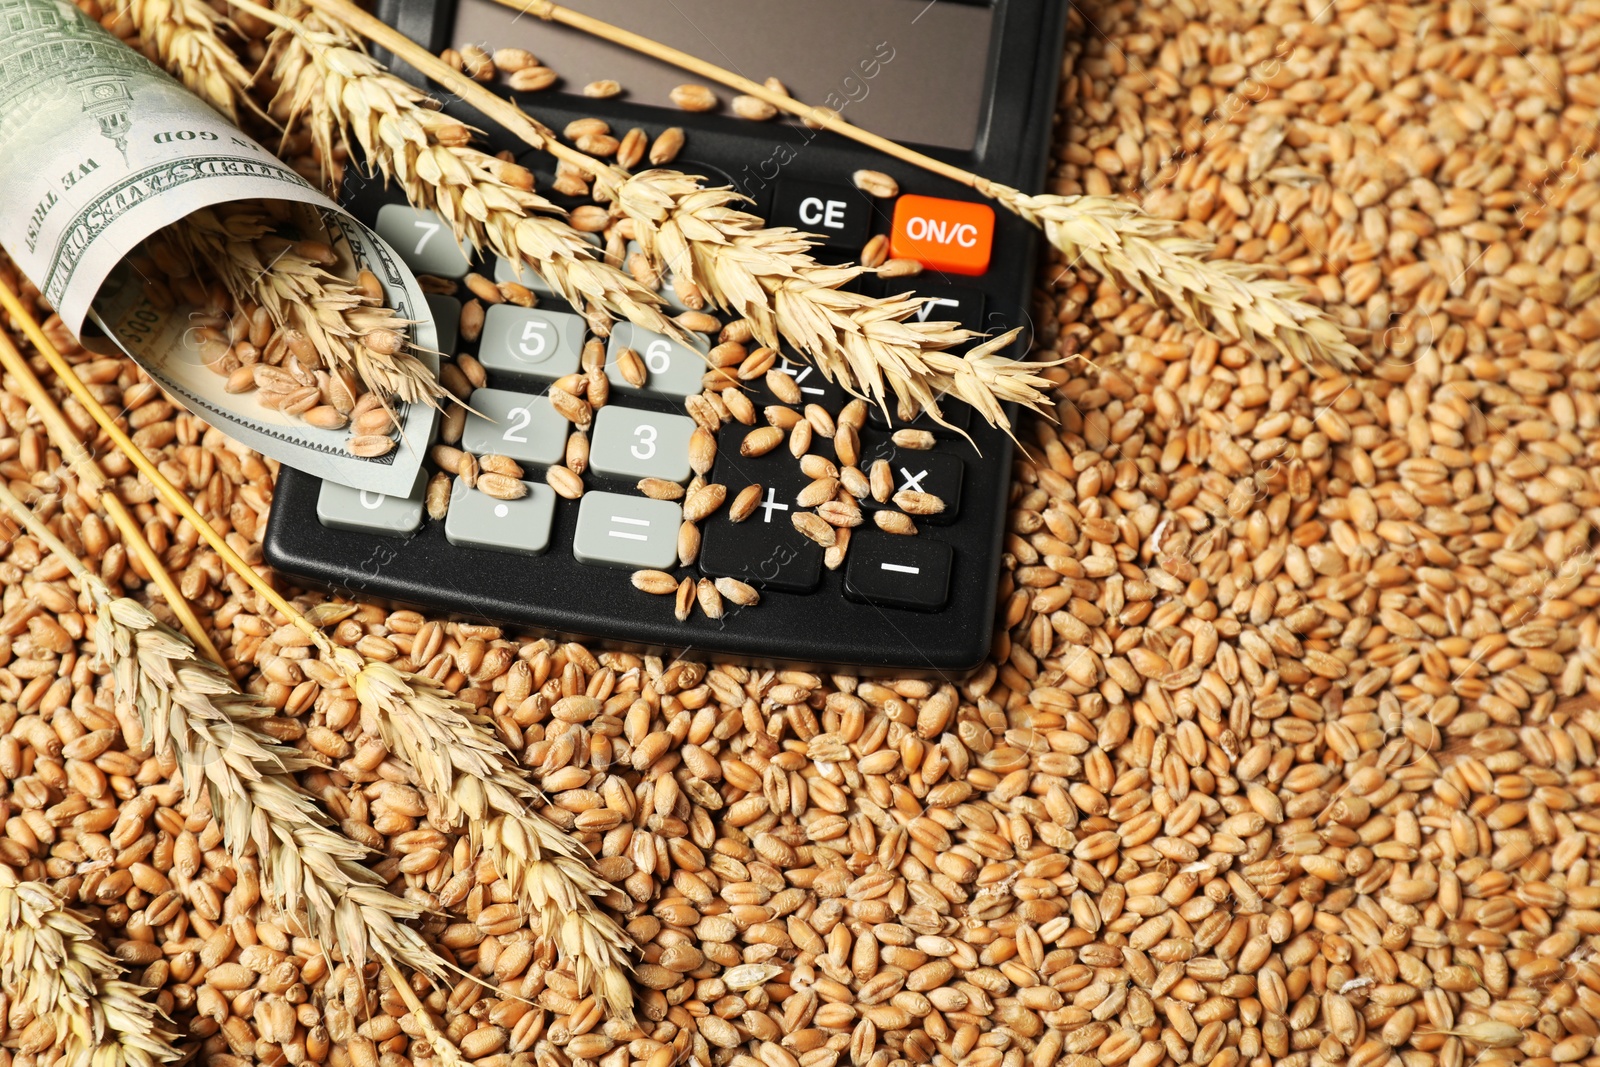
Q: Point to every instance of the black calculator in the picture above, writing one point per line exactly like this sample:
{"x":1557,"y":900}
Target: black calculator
{"x":971,"y":82}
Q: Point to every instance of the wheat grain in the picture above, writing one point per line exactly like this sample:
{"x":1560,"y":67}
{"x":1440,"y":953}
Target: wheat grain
{"x":186,"y":38}
{"x":479,"y":789}
{"x":69,"y":998}
{"x":191,"y":707}
{"x":330,"y":87}
{"x":1118,"y":239}
{"x":768,"y":276}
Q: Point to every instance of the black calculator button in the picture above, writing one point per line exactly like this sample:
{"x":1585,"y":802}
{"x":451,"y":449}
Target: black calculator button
{"x":894,"y":571}
{"x":935,"y":472}
{"x":765,"y":549}
{"x":946,"y":303}
{"x":838,"y":212}
{"x":814,"y":388}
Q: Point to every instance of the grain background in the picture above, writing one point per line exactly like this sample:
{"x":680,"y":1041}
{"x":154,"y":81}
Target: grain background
{"x":1286,"y":753}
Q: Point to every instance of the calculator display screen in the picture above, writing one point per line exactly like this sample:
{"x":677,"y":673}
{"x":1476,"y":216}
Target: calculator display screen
{"x":912,"y":70}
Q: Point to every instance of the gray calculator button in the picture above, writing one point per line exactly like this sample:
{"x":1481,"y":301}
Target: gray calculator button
{"x":480,"y":521}
{"x":630,"y":443}
{"x":519,"y":340}
{"x":362,"y":511}
{"x":446,"y":320}
{"x":423,"y":239}
{"x":519,"y":425}
{"x":671,"y":369}
{"x":627,"y":531}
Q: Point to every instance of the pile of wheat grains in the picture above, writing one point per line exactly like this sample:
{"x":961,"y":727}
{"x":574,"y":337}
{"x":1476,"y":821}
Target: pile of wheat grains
{"x":1285,"y":754}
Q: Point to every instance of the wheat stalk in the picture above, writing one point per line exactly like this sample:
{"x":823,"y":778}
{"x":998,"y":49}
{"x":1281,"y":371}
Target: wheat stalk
{"x":335,"y":315}
{"x":479,"y":788}
{"x":55,"y":967}
{"x":530,"y":852}
{"x":328,"y":83}
{"x":185,"y":38}
{"x":1119,"y":240}
{"x":768,"y":276}
{"x":193,"y":708}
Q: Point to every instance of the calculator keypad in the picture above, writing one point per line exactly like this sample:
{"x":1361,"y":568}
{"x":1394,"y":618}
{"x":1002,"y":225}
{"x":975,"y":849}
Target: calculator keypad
{"x":477,"y":520}
{"x":531,"y":342}
{"x":519,"y":425}
{"x":671,"y":369}
{"x":423,"y":239}
{"x":634,"y":443}
{"x":618,"y":530}
{"x":361,"y":511}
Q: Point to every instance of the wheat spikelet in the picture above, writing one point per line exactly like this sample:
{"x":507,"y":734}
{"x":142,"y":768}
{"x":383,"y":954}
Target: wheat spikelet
{"x":329,"y":84}
{"x":185,"y":38}
{"x":479,"y":787}
{"x":54,"y":966}
{"x":1120,"y":241}
{"x":299,"y":294}
{"x":192,"y":707}
{"x":768,"y":276}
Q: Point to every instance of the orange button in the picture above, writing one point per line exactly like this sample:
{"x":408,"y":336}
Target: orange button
{"x":949,"y":235}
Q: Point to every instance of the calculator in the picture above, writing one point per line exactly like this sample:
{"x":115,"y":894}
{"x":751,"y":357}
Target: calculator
{"x":971,"y":82}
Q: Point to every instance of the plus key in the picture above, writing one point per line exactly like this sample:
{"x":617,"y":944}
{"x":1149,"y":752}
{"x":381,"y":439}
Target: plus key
{"x":765,"y":549}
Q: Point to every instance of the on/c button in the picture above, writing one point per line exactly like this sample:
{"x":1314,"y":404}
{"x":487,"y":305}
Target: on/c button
{"x":949,"y":235}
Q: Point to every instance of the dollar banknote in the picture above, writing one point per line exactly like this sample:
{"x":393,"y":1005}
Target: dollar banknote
{"x":99,"y":149}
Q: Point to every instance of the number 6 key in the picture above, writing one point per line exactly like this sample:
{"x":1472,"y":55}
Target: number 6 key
{"x":672,"y":369}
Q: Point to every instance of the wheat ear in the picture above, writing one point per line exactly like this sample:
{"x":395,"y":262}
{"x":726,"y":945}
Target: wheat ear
{"x":480,"y":788}
{"x":328,"y":83}
{"x":185,"y":38}
{"x":535,"y":854}
{"x":192,"y":707}
{"x":1118,"y":239}
{"x":299,"y":294}
{"x":57,"y":970}
{"x":768,"y":276}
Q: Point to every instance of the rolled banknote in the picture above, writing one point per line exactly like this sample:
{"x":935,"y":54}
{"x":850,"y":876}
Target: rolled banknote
{"x":99,"y":149}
